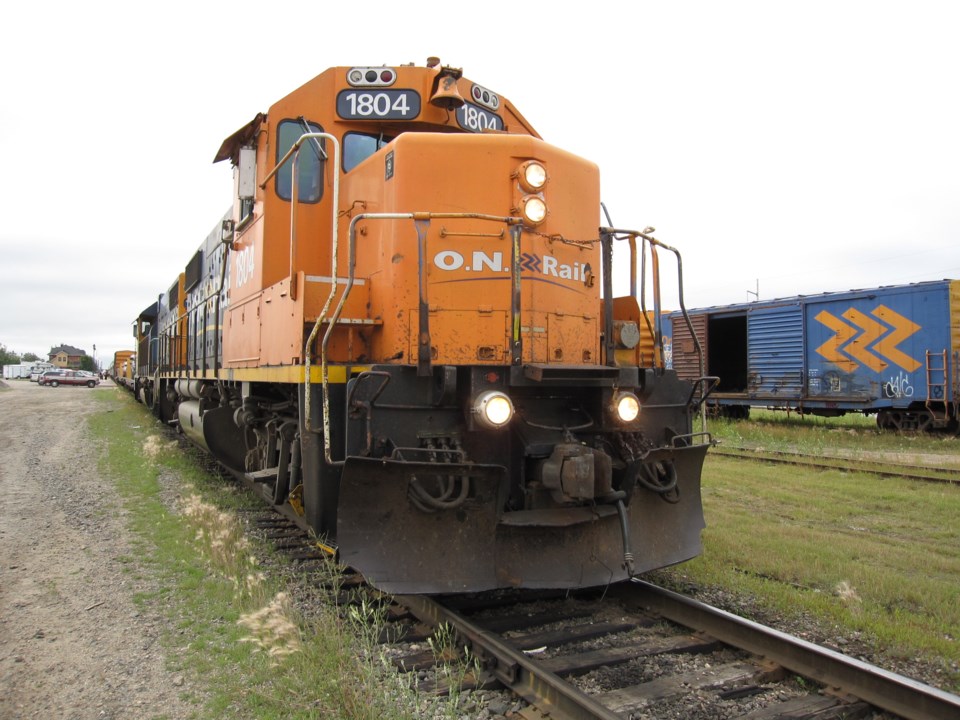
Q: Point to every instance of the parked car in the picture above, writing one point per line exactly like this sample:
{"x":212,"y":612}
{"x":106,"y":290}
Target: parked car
{"x":54,"y":378}
{"x":39,"y":370}
{"x":48,"y":375}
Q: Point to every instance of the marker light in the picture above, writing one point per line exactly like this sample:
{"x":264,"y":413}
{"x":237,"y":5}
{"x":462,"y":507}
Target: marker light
{"x":484,"y":97}
{"x":627,"y":406}
{"x":532,"y":175}
{"x":534,"y":209}
{"x":493,"y":409}
{"x":371,"y":77}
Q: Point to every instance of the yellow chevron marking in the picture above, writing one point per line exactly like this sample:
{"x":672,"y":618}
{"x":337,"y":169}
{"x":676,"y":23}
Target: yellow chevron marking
{"x":858,"y":348}
{"x":902,"y":329}
{"x":831,"y":348}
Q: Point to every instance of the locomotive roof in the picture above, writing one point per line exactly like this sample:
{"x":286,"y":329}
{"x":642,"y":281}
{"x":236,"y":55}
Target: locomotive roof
{"x":149,"y":312}
{"x":420,"y":79}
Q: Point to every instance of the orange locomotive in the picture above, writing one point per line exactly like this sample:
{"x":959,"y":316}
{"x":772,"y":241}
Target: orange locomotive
{"x":123,"y":367}
{"x":404,"y":333}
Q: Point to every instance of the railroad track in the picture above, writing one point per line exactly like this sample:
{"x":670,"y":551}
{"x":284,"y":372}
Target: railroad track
{"x":632,"y":651}
{"x":882,"y":468}
{"x":678,"y":658}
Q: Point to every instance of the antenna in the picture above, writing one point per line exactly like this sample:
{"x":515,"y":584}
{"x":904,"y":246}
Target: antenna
{"x":756,"y":295}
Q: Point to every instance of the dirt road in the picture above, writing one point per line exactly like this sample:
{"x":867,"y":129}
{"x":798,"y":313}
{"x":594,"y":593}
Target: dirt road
{"x":73,"y":644}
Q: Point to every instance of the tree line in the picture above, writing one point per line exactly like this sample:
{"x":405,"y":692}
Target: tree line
{"x":9,"y":357}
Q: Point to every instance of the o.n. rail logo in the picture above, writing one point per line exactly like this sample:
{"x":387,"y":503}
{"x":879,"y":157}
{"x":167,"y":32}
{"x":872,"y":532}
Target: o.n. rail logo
{"x":481,"y":262}
{"x":862,"y":340}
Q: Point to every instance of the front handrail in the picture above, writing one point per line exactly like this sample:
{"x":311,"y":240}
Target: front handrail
{"x":705,"y":385}
{"x":608,"y":234}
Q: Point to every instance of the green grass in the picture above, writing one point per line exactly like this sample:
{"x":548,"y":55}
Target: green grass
{"x":210,"y":587}
{"x":878,"y":556}
{"x":853,"y":433}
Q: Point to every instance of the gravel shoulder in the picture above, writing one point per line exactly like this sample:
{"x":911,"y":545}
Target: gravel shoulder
{"x":72,"y":642}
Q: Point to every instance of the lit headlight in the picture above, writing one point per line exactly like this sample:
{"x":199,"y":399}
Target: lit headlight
{"x":493,"y":409}
{"x":534,"y":209}
{"x":627,"y":406}
{"x":532,"y":176}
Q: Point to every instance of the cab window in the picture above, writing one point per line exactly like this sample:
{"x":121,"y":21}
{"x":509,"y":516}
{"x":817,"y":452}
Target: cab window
{"x":309,"y":179}
{"x":357,"y":147}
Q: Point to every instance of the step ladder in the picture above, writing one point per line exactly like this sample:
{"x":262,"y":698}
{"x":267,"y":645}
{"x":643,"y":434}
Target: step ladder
{"x":938,"y":386}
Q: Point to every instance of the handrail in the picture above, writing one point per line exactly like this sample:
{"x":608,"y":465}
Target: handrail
{"x":646,"y":235}
{"x":294,"y":200}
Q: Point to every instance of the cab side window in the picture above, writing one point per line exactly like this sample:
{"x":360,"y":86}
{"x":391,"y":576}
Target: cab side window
{"x":310,"y":164}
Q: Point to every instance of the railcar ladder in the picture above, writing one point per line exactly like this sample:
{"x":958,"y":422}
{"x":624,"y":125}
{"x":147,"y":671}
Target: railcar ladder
{"x":937,"y":385}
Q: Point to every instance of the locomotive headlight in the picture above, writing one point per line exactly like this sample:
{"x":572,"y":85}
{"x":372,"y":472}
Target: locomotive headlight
{"x":532,"y":176}
{"x":492,"y":409}
{"x":534,"y":209}
{"x":627,"y":406}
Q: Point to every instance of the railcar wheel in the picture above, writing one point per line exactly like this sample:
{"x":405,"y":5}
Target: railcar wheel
{"x":925,"y":421}
{"x":886,"y":420}
{"x":736,"y":412}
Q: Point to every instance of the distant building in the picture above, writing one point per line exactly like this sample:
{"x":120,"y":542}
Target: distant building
{"x":66,"y":356}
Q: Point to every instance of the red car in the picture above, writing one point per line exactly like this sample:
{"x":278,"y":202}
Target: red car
{"x":54,"y":378}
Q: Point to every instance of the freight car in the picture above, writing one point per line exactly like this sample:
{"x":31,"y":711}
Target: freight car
{"x":404,"y":333}
{"x":891,"y":351}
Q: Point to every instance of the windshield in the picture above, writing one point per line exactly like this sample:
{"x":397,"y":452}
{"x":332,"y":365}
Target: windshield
{"x":357,"y":147}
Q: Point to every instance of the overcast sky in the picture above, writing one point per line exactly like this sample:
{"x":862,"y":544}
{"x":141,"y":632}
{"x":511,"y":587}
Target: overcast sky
{"x":796,"y":148}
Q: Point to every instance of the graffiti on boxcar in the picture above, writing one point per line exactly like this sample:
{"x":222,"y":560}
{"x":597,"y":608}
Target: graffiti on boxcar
{"x":898,"y":386}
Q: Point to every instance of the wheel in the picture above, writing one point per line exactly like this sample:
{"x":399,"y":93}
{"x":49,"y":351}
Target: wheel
{"x":54,"y":383}
{"x":91,"y":384}
{"x":925,"y":421}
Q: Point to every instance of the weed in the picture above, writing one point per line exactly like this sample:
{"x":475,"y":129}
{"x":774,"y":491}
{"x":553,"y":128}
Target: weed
{"x":271,"y":629}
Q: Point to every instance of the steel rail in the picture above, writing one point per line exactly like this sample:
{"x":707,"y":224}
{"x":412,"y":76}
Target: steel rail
{"x":524,"y":676}
{"x":871,"y":467}
{"x":881,"y":688}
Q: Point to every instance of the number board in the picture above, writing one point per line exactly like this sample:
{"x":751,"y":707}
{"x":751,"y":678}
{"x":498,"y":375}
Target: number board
{"x":378,"y":104}
{"x":475,"y":119}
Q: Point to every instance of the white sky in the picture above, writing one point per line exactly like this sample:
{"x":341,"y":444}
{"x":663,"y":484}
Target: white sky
{"x":803,"y":147}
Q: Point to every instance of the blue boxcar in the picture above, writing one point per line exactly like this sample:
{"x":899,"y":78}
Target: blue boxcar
{"x":891,"y":350}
